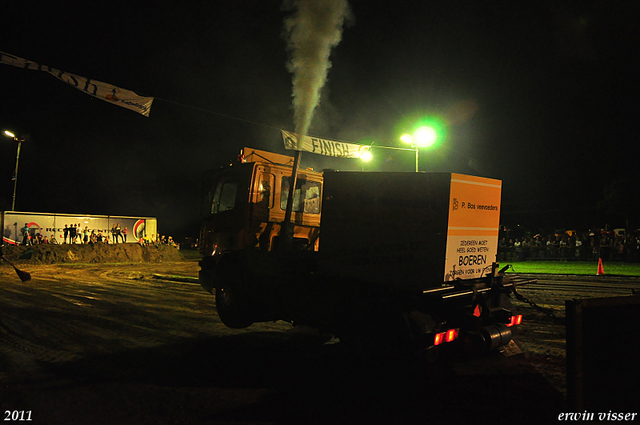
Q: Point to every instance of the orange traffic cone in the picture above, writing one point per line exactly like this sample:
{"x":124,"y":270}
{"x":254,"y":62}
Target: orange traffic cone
{"x":600,"y":268}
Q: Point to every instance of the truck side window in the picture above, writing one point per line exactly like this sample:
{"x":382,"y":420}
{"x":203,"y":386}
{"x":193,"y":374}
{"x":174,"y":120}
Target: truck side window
{"x":306,"y":197}
{"x":225,"y":197}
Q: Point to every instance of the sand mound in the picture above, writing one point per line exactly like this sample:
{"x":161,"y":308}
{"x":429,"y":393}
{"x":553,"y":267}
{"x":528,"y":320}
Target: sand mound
{"x":92,"y":253}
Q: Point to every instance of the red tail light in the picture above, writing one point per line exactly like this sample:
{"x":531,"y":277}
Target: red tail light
{"x":515,"y":320}
{"x":448,"y":336}
{"x":451,"y":335}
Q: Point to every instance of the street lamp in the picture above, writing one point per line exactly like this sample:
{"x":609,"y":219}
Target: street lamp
{"x":15,"y":173}
{"x":423,"y":137}
{"x":366,"y":156}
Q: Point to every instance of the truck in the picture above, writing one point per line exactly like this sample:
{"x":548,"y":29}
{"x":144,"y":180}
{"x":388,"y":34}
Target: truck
{"x":385,"y":261}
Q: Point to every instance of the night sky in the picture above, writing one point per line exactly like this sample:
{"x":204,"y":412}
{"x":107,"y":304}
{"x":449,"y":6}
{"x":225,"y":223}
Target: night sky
{"x":542,"y":95}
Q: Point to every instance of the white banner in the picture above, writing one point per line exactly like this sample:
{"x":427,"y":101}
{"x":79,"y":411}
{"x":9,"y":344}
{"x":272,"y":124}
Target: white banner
{"x":117,"y":96}
{"x":322,"y":146}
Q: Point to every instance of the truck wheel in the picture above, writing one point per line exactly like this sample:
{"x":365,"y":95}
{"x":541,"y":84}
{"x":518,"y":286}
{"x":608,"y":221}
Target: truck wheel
{"x":230,"y":308}
{"x":232,"y":304}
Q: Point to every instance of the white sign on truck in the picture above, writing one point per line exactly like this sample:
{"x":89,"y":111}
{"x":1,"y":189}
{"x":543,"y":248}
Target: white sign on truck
{"x":474,"y":222}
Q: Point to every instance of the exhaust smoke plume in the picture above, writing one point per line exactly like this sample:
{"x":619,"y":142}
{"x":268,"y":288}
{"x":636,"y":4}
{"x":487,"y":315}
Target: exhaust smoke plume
{"x":311,"y":32}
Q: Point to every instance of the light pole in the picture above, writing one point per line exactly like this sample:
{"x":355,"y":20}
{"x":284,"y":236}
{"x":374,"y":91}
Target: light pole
{"x":423,"y":137}
{"x":409,"y":140}
{"x":15,"y":173}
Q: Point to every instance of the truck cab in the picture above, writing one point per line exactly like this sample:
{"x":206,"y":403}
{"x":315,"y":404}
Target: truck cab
{"x":246,"y":207}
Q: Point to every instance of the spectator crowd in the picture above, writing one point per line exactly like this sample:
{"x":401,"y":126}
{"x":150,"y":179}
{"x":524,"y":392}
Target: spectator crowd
{"x":159,"y":240}
{"x":75,"y":234}
{"x":573,"y":246}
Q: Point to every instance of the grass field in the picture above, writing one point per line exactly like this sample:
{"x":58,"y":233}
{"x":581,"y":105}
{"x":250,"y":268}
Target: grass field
{"x":573,"y":267}
{"x":586,"y":268}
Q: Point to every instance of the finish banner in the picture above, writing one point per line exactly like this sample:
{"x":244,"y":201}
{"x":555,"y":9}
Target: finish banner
{"x":116,"y":95}
{"x":323,"y":146}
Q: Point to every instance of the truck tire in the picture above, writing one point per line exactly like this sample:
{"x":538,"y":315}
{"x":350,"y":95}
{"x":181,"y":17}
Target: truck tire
{"x":232,"y":303}
{"x":230,"y":308}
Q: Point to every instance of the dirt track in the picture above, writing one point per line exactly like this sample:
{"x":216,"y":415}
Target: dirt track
{"x":107,"y":344}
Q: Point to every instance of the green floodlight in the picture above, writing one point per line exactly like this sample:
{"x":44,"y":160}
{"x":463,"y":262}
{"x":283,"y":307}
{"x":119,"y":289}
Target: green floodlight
{"x":428,"y":132}
{"x":425,"y":136}
{"x":431,"y":130}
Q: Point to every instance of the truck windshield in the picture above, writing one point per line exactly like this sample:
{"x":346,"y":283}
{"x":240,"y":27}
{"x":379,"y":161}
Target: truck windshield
{"x":224,"y":198}
{"x":306,"y":197}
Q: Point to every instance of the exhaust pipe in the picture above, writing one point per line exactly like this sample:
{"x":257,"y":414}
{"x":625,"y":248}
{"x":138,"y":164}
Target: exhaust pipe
{"x":496,"y":335}
{"x":490,"y":337}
